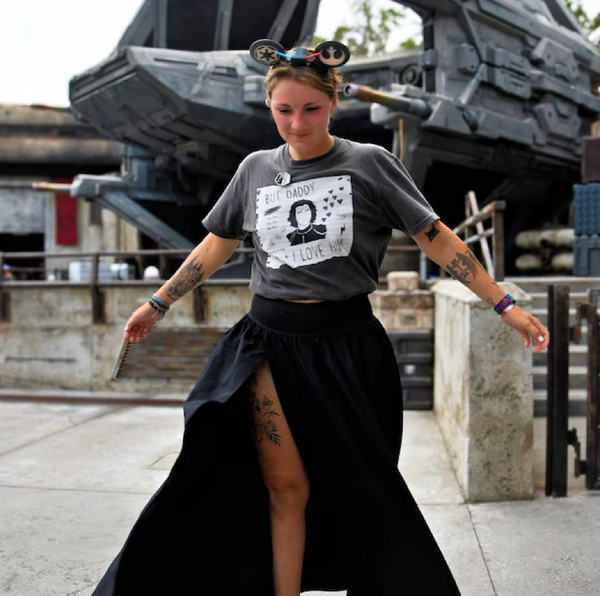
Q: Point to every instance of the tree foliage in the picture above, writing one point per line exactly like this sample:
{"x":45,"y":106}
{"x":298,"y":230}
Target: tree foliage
{"x":591,"y":25}
{"x":370,"y":34}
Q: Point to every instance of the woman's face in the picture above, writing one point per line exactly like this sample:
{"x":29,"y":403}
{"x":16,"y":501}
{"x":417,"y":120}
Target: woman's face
{"x":303,"y":216}
{"x":301,"y":114}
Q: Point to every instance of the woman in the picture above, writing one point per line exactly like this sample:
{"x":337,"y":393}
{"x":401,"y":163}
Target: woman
{"x":287,"y":480}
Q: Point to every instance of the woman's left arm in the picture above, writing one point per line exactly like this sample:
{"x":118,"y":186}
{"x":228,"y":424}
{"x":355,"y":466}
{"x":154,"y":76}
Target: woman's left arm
{"x":446,"y":249}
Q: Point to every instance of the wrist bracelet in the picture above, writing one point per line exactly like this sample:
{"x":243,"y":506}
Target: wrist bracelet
{"x":160,"y":303}
{"x":506,"y":301}
{"x":157,"y":308}
{"x":508,"y":309}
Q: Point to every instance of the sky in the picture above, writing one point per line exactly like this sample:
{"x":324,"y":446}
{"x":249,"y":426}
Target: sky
{"x":43,"y":43}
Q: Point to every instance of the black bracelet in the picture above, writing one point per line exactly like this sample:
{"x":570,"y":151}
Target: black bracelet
{"x":160,"y":303}
{"x":156,"y":307}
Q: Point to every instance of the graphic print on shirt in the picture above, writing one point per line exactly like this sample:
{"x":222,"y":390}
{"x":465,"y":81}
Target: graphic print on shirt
{"x":305,"y":222}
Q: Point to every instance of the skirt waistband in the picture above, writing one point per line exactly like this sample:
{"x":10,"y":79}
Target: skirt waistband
{"x":309,"y":319}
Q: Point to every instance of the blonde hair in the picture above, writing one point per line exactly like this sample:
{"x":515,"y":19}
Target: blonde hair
{"x":328,"y":82}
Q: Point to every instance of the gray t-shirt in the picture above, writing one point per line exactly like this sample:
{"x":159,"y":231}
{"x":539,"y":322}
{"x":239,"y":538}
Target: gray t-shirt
{"x":325,"y":233}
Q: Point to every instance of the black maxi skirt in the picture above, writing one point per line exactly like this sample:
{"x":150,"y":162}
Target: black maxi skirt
{"x":205,"y":532}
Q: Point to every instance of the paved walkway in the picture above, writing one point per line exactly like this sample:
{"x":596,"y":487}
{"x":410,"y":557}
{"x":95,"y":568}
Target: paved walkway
{"x":73,"y":479}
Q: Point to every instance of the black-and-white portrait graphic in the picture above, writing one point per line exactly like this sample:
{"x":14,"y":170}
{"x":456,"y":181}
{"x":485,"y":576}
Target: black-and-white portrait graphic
{"x":305,"y":222}
{"x":302,"y":216}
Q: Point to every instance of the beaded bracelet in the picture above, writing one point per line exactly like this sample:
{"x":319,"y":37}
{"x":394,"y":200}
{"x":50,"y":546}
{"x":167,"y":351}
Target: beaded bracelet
{"x":160,"y":303}
{"x":504,"y":303}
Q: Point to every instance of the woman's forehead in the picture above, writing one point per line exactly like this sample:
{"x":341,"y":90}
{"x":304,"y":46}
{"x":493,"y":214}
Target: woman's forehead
{"x":288,"y":91}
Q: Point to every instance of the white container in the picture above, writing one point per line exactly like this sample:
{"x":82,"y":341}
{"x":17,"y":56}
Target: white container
{"x":122,"y":271}
{"x":81,"y":271}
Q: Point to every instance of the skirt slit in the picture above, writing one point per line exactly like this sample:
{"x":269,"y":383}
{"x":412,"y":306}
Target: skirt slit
{"x":206,"y":530}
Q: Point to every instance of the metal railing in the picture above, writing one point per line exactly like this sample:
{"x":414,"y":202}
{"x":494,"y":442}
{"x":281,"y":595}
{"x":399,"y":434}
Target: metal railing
{"x":42,"y":275}
{"x":472,"y":230}
{"x":492,"y":260}
{"x":94,"y":280}
{"x":559,"y":437}
{"x":44,"y":269}
{"x":163,"y":256}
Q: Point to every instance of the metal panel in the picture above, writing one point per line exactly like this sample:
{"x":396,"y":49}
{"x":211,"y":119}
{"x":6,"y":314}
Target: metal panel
{"x":143,"y":220}
{"x":592,"y":467}
{"x":590,"y":164}
{"x":22,"y":209}
{"x":414,"y":355}
{"x":557,"y":439}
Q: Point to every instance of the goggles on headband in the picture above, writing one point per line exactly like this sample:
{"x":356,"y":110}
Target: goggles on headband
{"x":328,"y":54}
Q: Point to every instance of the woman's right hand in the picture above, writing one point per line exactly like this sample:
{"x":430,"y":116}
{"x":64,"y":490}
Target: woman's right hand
{"x":140,"y":323}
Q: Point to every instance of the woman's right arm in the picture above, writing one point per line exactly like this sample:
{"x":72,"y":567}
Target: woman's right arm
{"x":200,"y":264}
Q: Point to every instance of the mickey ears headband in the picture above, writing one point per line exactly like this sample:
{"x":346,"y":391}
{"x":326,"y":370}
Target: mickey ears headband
{"x":328,"y":54}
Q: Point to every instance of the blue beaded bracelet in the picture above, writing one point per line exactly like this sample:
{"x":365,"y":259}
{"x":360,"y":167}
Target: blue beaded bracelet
{"x":506,"y":301}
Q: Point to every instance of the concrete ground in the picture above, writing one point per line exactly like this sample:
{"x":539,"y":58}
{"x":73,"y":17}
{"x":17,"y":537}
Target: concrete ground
{"x":73,"y":478}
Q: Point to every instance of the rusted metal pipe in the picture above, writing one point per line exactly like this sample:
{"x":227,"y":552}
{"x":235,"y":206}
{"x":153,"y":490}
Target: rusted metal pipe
{"x":410,"y":105}
{"x":35,"y":116}
{"x":52,"y":187}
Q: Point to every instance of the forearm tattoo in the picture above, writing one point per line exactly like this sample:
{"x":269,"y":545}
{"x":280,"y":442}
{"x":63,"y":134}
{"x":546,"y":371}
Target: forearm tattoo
{"x":464,"y":267}
{"x":185,"y":280}
{"x":432,"y":232}
{"x":489,"y":299}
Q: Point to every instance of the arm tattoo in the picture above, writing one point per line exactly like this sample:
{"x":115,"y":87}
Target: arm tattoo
{"x":185,"y":280}
{"x":432,"y":232}
{"x":463,"y":267}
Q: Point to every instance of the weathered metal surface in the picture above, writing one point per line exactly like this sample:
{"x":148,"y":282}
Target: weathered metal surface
{"x":191,"y":25}
{"x":500,"y":91}
{"x":21,"y":116}
{"x":42,"y":134}
{"x":416,"y":106}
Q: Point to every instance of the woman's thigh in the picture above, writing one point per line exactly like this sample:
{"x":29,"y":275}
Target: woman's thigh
{"x":280,"y":461}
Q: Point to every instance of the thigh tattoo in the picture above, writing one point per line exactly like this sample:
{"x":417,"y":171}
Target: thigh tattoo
{"x":264,"y":417}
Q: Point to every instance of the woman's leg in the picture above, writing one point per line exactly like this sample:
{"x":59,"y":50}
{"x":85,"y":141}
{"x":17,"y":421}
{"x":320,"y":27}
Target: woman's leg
{"x":286,"y":480}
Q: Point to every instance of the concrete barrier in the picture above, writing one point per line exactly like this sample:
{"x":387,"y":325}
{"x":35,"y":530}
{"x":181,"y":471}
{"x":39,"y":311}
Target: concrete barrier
{"x":483,"y":394}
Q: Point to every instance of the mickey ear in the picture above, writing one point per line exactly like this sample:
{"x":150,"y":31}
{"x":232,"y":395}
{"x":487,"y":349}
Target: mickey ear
{"x":265,"y":51}
{"x":333,"y":53}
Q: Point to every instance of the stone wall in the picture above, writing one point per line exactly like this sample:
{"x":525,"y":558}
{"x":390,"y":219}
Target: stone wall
{"x":50,"y":341}
{"x":405,"y":304}
{"x":22,"y":210}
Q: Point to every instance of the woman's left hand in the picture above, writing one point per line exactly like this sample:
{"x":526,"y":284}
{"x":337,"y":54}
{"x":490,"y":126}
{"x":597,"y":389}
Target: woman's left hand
{"x":532,"y":329}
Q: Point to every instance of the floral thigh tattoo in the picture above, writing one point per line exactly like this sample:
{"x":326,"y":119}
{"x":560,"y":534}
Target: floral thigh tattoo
{"x":264,"y":417}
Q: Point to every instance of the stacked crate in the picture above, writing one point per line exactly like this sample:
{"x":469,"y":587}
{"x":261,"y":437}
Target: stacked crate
{"x":586,"y":203}
{"x":586,"y":246}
